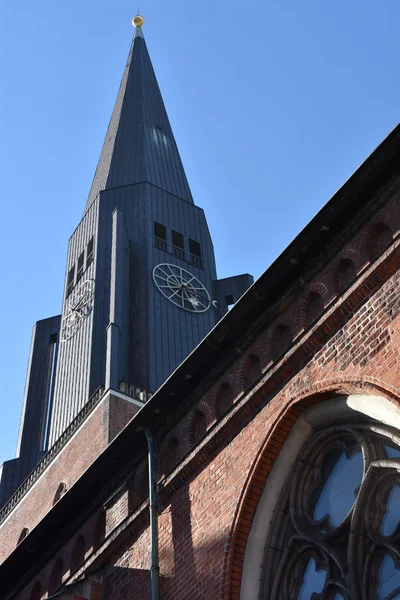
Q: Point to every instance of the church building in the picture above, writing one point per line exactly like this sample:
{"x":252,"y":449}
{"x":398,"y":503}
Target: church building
{"x":170,"y":448}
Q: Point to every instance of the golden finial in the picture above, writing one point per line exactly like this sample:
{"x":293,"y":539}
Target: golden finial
{"x":138,"y":21}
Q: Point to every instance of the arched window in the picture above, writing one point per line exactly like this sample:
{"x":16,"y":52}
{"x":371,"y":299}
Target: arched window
{"x":199,"y":426}
{"x":36,"y":592}
{"x":223,"y":400}
{"x":56,"y":575}
{"x":280,"y":342}
{"x":99,"y":532}
{"x":327,"y":525}
{"x":345,"y":274}
{"x":78,"y":553}
{"x":23,"y":535}
{"x":62,"y":488}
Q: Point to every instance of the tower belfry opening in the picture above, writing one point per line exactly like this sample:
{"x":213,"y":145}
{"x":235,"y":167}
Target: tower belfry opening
{"x":141,"y":288}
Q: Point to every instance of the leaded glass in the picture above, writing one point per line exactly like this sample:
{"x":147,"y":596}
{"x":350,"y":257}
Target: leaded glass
{"x":389,"y":579}
{"x":339,"y":490}
{"x":391,"y":517}
{"x":313,"y":581}
{"x":336,"y":533}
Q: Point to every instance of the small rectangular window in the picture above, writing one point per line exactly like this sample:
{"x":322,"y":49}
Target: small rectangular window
{"x":90,"y":252}
{"x":70,"y":280}
{"x":79,"y":271}
{"x":160,"y":236}
{"x":195,"y":253}
{"x":178,"y":245}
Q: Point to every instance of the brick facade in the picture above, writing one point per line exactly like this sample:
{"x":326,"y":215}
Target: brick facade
{"x":335,"y":331}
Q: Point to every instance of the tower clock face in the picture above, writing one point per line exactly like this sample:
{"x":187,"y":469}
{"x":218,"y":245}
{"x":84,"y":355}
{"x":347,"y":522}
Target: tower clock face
{"x":182,"y":288}
{"x":80,"y":305}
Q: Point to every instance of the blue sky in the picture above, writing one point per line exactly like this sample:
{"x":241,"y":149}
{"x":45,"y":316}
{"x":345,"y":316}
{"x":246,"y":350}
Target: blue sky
{"x":273,"y":105}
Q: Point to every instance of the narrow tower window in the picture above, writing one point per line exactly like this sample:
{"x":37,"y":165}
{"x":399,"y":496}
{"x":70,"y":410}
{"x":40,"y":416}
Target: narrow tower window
{"x":89,"y":252}
{"x":79,"y":271}
{"x":177,"y":245}
{"x":160,"y":236}
{"x":70,"y":280}
{"x":195,"y":253}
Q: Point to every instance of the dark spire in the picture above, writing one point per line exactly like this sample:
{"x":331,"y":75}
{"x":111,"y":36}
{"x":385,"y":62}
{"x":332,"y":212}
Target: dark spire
{"x":139,"y":144}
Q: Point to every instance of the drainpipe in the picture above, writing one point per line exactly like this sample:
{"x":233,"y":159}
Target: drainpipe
{"x":153,"y":498}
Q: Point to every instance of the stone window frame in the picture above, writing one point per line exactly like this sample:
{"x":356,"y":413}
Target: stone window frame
{"x":370,"y":415}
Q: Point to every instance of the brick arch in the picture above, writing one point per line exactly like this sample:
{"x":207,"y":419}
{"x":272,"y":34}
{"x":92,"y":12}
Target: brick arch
{"x":56,"y":575}
{"x":354,"y":255}
{"x":190,"y":428}
{"x":170,"y":454}
{"x":344,"y":274}
{"x":377,"y":238}
{"x":78,"y":552}
{"x":311,"y":308}
{"x":223,"y":399}
{"x":250,"y":370}
{"x":264,"y":461}
{"x":320,"y":288}
{"x":281,"y":339}
{"x":197,"y":426}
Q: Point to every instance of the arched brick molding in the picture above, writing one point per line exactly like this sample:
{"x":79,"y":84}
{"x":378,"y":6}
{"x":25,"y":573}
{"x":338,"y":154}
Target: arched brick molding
{"x":23,"y":535}
{"x":36,"y":592}
{"x":198,"y":427}
{"x":268,"y":453}
{"x":320,"y":288}
{"x":56,"y":575}
{"x":62,"y":488}
{"x":99,"y":531}
{"x":251,"y":371}
{"x":354,"y":255}
{"x":78,"y":552}
{"x":378,"y":237}
{"x":206,"y":408}
{"x":344,"y":275}
{"x":224,"y":399}
{"x":312,"y":308}
{"x":170,"y":455}
{"x":280,"y":341}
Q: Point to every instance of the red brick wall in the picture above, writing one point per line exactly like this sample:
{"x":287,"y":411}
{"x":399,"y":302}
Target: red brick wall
{"x":78,"y":454}
{"x":209,"y":492}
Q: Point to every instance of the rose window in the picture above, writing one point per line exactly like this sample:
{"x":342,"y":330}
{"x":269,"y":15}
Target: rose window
{"x":337,"y":532}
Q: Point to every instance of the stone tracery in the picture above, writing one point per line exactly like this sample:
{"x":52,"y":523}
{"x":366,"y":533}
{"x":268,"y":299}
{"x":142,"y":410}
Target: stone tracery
{"x":337,"y":533}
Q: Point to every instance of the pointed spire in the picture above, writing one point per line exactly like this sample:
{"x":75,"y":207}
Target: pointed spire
{"x":139,"y":144}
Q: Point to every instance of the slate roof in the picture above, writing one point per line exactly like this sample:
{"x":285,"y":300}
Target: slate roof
{"x":129,"y":154}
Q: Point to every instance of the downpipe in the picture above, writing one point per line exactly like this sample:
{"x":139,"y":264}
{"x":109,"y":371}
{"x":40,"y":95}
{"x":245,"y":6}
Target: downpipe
{"x":153,"y":501}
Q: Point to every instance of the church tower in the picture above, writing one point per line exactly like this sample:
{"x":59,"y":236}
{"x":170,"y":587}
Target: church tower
{"x":141,"y":288}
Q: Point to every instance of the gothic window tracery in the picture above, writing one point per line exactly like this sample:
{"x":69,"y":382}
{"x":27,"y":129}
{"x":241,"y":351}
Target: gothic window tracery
{"x":336,"y":535}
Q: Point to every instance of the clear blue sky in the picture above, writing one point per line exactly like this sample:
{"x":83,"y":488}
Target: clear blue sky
{"x":273,"y":105}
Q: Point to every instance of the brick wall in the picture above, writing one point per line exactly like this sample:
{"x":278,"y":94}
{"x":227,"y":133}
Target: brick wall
{"x":77,"y":455}
{"x":213,"y":470}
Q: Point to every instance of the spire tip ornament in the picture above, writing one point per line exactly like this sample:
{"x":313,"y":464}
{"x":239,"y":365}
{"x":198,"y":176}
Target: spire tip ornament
{"x":138,"y":21}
